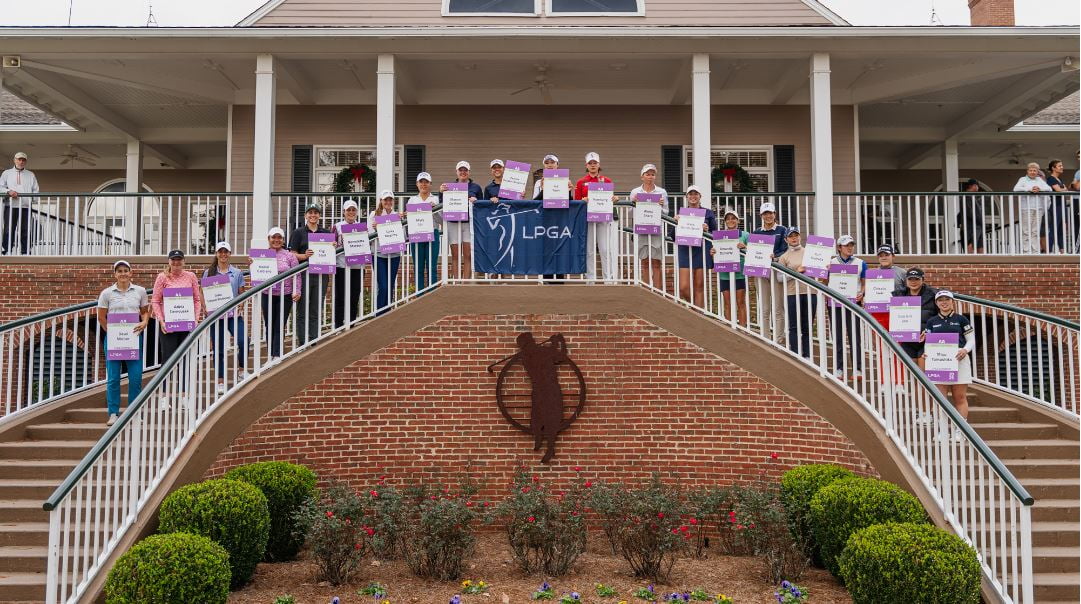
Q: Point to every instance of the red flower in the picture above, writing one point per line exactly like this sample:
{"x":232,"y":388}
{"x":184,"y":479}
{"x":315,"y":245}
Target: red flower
{"x":357,"y":546}
{"x":589,"y":483}
{"x":773,"y":455}
{"x":574,"y":513}
{"x":536,"y":479}
{"x":693,"y":521}
{"x":577,"y":468}
{"x":531,"y":519}
{"x":469,"y":504}
{"x":487,"y":503}
{"x":684,"y":528}
{"x":370,"y":531}
{"x":330,"y":514}
{"x":348,"y":522}
{"x":374,"y":493}
{"x":660,"y":515}
{"x":434,"y":498}
{"x":752,"y":526}
{"x":675,"y":531}
{"x":525,"y":489}
{"x":740,"y":527}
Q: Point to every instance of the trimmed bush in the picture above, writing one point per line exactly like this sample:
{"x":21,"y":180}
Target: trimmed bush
{"x":165,"y":569}
{"x":909,"y":563}
{"x":798,"y":486}
{"x":287,"y":487}
{"x":848,"y":505}
{"x":232,"y":513}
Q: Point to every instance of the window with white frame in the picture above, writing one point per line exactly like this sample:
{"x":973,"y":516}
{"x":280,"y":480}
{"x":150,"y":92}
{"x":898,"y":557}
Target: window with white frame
{"x":330,"y":160}
{"x":115,"y":217}
{"x":570,"y":8}
{"x":552,"y":8}
{"x":757,"y":160}
{"x":491,"y":7}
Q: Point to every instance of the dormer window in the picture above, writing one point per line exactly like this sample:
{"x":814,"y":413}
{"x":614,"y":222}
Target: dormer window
{"x":491,"y":7}
{"x":595,"y":7}
{"x":551,"y":8}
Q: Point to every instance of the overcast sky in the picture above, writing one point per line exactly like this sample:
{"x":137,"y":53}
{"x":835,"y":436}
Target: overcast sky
{"x":183,"y":13}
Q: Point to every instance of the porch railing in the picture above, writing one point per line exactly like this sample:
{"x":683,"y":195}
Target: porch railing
{"x":979,"y":498}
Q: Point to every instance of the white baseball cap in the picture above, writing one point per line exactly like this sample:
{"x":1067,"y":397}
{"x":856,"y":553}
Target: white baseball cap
{"x":551,"y":157}
{"x":424,"y":176}
{"x":647,"y":168}
{"x":20,"y":155}
{"x":496,"y":162}
{"x":845,"y":240}
{"x":349,"y":203}
{"x":223,"y":245}
{"x":121,"y":263}
{"x":694,"y":188}
{"x":591,"y":156}
{"x":767,"y":207}
{"x":944,"y":293}
{"x":462,"y":164}
{"x":728,"y":211}
{"x":385,"y":193}
{"x":275,"y":231}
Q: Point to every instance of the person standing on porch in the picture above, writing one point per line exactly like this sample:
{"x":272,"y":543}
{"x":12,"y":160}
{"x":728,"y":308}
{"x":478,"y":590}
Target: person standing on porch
{"x":770,"y":299}
{"x":691,"y":259}
{"x":491,"y":192}
{"x":1031,"y":209}
{"x":16,"y":210}
{"x":460,"y":234}
{"x":801,"y":301}
{"x":1053,"y":234}
{"x":550,"y":162}
{"x":277,"y":302}
{"x":599,"y":235}
{"x":970,"y":218}
{"x":123,"y":297}
{"x":310,"y":308}
{"x":426,"y":255}
{"x":386,"y":264}
{"x":651,"y":247}
{"x":727,"y":282}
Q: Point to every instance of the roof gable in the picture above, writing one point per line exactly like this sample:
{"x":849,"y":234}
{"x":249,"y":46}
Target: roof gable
{"x":362,"y":13}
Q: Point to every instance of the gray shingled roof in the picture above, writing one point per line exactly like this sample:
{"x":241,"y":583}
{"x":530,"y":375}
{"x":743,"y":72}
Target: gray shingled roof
{"x":14,"y":110}
{"x":1063,"y":112}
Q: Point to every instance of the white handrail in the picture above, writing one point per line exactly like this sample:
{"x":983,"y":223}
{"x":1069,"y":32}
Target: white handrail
{"x":978,"y":497}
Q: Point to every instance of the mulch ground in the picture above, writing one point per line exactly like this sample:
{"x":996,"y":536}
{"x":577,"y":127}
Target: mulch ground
{"x":741,"y":578}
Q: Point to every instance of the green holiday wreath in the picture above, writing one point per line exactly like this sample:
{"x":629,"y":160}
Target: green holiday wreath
{"x":741,"y":180}
{"x":357,"y":178}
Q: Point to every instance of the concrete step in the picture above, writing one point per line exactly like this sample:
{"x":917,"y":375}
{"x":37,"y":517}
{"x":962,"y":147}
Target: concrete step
{"x":46,"y":449}
{"x":1051,"y":448}
{"x":87,"y":415}
{"x":23,"y":586}
{"x":987,"y":415}
{"x":1044,"y":468}
{"x":36,"y":468}
{"x":1056,"y":510}
{"x":1055,"y":488}
{"x":1053,"y":586}
{"x":1016,"y":431}
{"x":66,"y":431}
{"x":1056,"y":534}
{"x":23,"y":558}
{"x":22,"y":510}
{"x":1057,"y":559}
{"x":28,"y":488}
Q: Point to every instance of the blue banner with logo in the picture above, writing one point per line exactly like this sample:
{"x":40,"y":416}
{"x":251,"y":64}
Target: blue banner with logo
{"x":523,"y":238}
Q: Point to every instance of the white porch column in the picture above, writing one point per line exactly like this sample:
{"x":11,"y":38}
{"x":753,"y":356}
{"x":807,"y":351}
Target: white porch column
{"x":263,"y":172}
{"x":950,"y":182}
{"x":822,"y":145}
{"x":384,"y":124}
{"x":133,"y":183}
{"x":700,"y":140}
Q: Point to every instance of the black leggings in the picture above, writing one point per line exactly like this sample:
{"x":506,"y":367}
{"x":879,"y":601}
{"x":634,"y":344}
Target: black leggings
{"x":276,"y":311}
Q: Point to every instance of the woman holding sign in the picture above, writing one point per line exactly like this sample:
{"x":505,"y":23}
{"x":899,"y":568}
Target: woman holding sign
{"x":847,"y":273}
{"x":303,"y":242}
{"x":386,"y":223}
{"x":123,"y":312}
{"x":221,"y":283}
{"x":948,"y":359}
{"x":425,"y":253}
{"x":177,"y":304}
{"x":650,"y":244}
{"x":734,"y":280}
{"x":277,"y":303}
{"x":601,"y":234}
{"x":693,"y":257}
{"x":456,"y":210}
{"x":801,"y":301}
{"x":348,"y":279}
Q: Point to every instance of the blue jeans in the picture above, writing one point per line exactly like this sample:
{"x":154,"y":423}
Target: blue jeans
{"x":217,"y":338}
{"x":113,"y":369}
{"x":425,"y":262}
{"x":386,"y":273}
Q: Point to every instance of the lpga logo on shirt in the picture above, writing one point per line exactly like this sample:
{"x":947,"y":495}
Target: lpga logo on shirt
{"x":522,"y":238}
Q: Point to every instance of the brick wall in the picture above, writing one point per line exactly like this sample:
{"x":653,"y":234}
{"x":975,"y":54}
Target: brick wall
{"x":991,"y":12}
{"x":425,"y":409}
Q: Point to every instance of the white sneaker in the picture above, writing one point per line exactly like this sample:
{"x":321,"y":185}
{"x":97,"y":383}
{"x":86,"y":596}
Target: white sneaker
{"x":163,"y":403}
{"x":221,"y":388}
{"x":958,"y":437}
{"x":112,"y":419}
{"x":924,"y":419}
{"x":837,"y":373}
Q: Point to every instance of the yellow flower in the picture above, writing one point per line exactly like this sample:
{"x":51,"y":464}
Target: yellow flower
{"x":481,"y":583}
{"x":466,"y":583}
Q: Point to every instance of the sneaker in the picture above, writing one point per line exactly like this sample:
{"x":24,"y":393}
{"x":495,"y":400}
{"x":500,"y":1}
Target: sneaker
{"x":221,"y":388}
{"x":958,"y":437}
{"x":837,"y":373}
{"x":112,"y":419}
{"x":924,"y":419}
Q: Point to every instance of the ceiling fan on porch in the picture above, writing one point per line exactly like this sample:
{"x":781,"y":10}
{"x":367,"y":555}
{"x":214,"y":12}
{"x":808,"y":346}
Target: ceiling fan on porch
{"x":75,"y":154}
{"x":541,"y":82}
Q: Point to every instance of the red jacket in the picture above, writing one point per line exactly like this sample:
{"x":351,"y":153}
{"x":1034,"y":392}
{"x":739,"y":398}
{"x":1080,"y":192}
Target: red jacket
{"x":580,"y":190}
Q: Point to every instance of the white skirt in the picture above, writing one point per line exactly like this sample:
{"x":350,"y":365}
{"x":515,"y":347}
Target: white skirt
{"x":964,"y":372}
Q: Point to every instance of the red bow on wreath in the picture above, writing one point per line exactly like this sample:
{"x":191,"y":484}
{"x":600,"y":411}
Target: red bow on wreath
{"x":729,"y":173}
{"x":358,"y":173}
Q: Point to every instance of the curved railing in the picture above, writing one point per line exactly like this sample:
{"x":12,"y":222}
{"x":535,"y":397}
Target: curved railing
{"x":978,"y":496}
{"x":1026,"y":353}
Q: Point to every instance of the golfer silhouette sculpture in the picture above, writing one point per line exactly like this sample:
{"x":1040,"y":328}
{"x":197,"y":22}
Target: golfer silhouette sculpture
{"x":541,"y":363}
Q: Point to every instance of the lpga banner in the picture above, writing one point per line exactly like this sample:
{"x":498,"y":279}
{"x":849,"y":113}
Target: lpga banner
{"x":523,"y":238}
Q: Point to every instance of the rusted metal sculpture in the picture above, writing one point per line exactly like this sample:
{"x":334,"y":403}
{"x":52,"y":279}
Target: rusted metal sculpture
{"x":548,"y":412}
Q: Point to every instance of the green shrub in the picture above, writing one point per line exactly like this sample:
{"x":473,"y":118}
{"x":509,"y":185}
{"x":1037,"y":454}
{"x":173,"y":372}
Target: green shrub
{"x":338,"y":539}
{"x":798,"y":486}
{"x":286,"y":486}
{"x":909,"y":563}
{"x":648,"y":527}
{"x":232,"y":513}
{"x":546,"y":530}
{"x":848,"y":505}
{"x":166,"y":569}
{"x":440,"y":536}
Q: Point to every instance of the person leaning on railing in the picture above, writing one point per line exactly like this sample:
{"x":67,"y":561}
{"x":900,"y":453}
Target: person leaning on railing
{"x":235,"y":324}
{"x":277,"y":303}
{"x":1053,"y":229}
{"x":1031,"y":208}
{"x":127,"y":298}
{"x":801,"y":307}
{"x":16,"y":218}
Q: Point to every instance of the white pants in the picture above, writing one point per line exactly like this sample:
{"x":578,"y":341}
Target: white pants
{"x":1030,"y":230}
{"x":771,"y":301}
{"x":601,"y":235}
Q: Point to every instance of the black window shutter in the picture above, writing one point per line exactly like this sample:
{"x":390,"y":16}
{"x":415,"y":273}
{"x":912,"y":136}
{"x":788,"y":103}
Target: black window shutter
{"x":784,"y":168}
{"x":672,"y":168}
{"x":414,"y":164}
{"x":301,"y":182}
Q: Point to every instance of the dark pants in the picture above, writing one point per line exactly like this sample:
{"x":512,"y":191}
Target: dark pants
{"x":235,"y":325}
{"x":846,"y":323}
{"x":168,"y":344}
{"x":1054,"y":224}
{"x":801,"y":314}
{"x":16,"y":230}
{"x":386,"y":273}
{"x":313,"y":290}
{"x":351,"y":279}
{"x":276,"y":311}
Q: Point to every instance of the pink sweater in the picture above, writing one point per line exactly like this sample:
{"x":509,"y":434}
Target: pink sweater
{"x":166,"y":279}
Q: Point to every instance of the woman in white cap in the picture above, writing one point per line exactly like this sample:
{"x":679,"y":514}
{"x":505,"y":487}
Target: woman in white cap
{"x":277,"y":302}
{"x":221,"y":265}
{"x":692,"y":260}
{"x":651,"y":247}
{"x":460,"y":234}
{"x":491,"y":192}
{"x":348,"y":282}
{"x":386,"y":263}
{"x":600,"y":236}
{"x":550,"y":162}
{"x":801,"y":301}
{"x":947,"y":320}
{"x":426,"y":254}
{"x":122,"y":297}
{"x":310,"y":310}
{"x":844,"y":321}
{"x":734,"y":281}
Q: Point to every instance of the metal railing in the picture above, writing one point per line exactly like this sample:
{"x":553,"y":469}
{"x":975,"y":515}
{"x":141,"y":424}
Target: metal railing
{"x":961,"y":223}
{"x":978,"y":496}
{"x":1026,"y":353}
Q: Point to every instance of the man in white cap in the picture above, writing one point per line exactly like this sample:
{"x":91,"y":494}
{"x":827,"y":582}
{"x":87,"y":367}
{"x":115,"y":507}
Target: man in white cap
{"x":770,"y":298}
{"x":460,"y":234}
{"x":599,"y":235}
{"x":16,"y":210}
{"x":651,"y":247}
